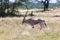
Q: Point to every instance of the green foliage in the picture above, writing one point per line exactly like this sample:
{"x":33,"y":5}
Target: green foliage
{"x":5,"y":6}
{"x":23,"y":0}
{"x":12,"y":6}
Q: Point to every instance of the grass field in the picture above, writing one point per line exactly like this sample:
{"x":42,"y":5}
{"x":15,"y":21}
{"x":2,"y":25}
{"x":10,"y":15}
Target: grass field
{"x":11,"y":28}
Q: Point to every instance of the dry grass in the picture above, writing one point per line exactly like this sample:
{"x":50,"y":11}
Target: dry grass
{"x":13,"y":29}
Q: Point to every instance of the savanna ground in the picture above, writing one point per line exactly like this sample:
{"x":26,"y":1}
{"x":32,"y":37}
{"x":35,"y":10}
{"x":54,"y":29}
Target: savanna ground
{"x":11,"y":28}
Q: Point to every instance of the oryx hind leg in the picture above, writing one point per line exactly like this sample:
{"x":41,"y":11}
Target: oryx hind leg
{"x":43,"y":25}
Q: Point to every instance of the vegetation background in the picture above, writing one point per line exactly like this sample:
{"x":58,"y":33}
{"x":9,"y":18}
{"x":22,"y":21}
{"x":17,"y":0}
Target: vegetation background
{"x":11,"y":27}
